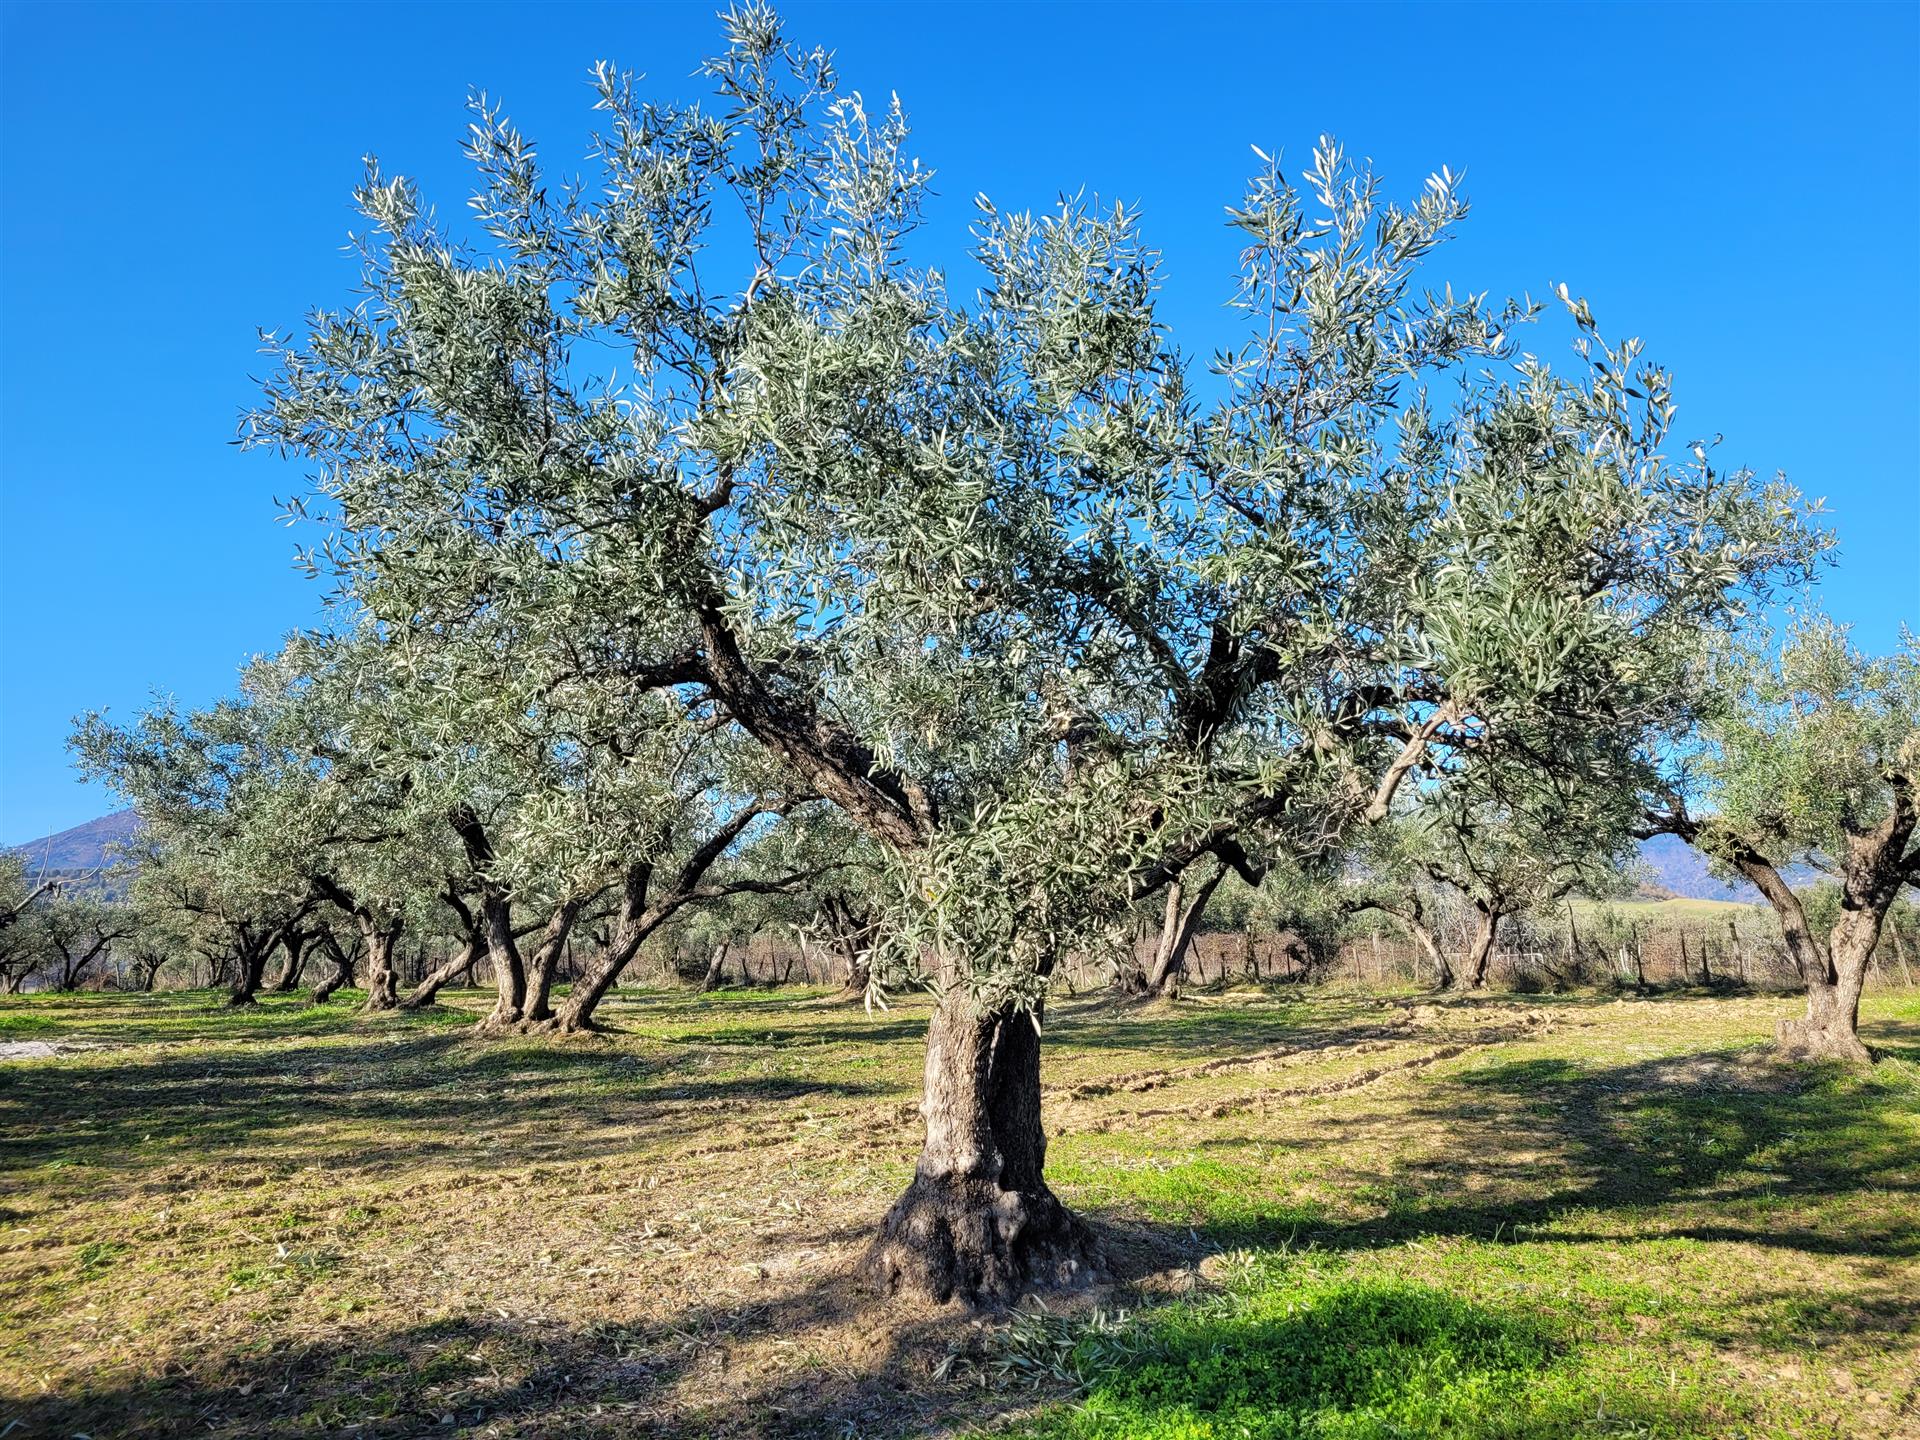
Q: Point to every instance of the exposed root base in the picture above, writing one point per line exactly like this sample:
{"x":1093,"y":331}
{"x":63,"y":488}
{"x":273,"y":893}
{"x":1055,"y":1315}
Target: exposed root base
{"x":495,"y":1025}
{"x":958,"y":1237}
{"x":1805,"y":1039}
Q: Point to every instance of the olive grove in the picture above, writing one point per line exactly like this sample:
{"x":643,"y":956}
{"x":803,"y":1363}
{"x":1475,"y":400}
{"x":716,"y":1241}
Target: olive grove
{"x":697,"y":463}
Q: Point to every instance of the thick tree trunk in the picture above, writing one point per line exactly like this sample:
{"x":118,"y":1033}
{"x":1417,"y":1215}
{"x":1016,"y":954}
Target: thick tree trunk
{"x":1830,"y":1030}
{"x":342,"y":971}
{"x":853,"y":937}
{"x":978,"y":1222}
{"x":428,"y":990}
{"x":540,"y":965}
{"x":1836,"y":972}
{"x":631,"y":927}
{"x":1473,"y":975}
{"x":716,"y":966}
{"x":383,"y":980}
{"x":249,"y":972}
{"x":1442,"y":969}
{"x":295,"y":944}
{"x":509,"y":974}
{"x":1159,"y":974}
{"x":576,"y":1011}
{"x":496,"y":910}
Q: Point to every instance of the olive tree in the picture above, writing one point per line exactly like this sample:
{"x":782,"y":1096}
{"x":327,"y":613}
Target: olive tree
{"x":1502,"y":850}
{"x":1047,"y":613}
{"x":24,"y":898}
{"x":219,"y":801}
{"x":1810,"y":756}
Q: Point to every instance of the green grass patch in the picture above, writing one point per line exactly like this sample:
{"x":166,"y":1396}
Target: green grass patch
{"x":1316,"y":1351}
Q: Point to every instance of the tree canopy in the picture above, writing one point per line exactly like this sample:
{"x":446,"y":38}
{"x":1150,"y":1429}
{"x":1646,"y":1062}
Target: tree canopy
{"x":691,"y":488}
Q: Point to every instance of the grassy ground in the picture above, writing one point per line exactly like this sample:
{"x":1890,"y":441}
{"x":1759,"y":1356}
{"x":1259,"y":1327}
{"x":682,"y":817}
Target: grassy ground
{"x":1330,"y":1216}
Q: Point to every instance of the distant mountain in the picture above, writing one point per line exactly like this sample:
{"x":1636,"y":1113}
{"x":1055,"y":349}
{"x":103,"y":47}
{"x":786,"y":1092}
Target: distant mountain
{"x":82,"y":848}
{"x":1675,"y":867}
{"x":1681,"y":870}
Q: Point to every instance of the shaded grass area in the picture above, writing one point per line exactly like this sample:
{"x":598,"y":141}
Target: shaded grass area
{"x":1330,"y":1215}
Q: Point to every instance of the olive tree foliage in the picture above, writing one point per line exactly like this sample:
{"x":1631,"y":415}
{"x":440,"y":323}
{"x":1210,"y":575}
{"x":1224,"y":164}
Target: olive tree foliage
{"x":24,"y":897}
{"x":1502,"y":849}
{"x":840,"y":911}
{"x":1047,"y":609}
{"x":222,"y":832}
{"x":20,"y":889}
{"x":1806,"y":751}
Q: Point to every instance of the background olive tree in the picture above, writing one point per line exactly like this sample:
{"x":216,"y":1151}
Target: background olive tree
{"x":1808,"y":756}
{"x":1501,"y":849}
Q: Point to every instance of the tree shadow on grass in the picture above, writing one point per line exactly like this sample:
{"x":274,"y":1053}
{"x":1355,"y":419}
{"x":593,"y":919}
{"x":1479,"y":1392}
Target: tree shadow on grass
{"x":528,"y":1377}
{"x":1357,"y":1357}
{"x":1636,"y":1136}
{"x":383,"y":1099}
{"x":1895,"y":1039}
{"x":1754,"y":1138}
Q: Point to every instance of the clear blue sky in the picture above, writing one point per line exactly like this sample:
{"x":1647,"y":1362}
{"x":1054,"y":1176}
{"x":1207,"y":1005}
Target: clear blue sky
{"x":1740,"y":185}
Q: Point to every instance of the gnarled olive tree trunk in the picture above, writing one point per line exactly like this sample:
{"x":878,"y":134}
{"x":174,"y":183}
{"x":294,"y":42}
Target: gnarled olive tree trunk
{"x":1442,"y":969}
{"x":509,"y":972}
{"x":537,"y":1007}
{"x":1486,"y":928}
{"x":853,"y":936}
{"x":716,"y":966}
{"x":460,"y":963}
{"x":1836,"y":973}
{"x":1179,"y":923}
{"x":383,"y":979}
{"x":343,"y":963}
{"x":632,"y":924}
{"x":1875,"y":865}
{"x":978,"y":1222}
{"x":295,"y":943}
{"x":249,"y":973}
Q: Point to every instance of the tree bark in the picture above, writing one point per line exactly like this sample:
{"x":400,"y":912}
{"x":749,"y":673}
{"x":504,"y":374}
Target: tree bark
{"x":978,"y":1221}
{"x":249,"y":972}
{"x":1178,"y":925}
{"x":428,"y":990}
{"x":631,"y":926}
{"x":1423,"y":937}
{"x":1830,"y":1029}
{"x":383,"y":981}
{"x":1874,"y":869}
{"x":1834,"y":973}
{"x":1473,"y":975}
{"x":295,"y":944}
{"x":716,"y":962}
{"x":853,"y":937}
{"x":496,"y":912}
{"x":509,"y":974}
{"x":540,"y":965}
{"x":342,"y":970}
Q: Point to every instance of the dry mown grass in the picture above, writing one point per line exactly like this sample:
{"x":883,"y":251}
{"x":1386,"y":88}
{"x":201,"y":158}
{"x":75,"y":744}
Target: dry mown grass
{"x":300,"y":1222}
